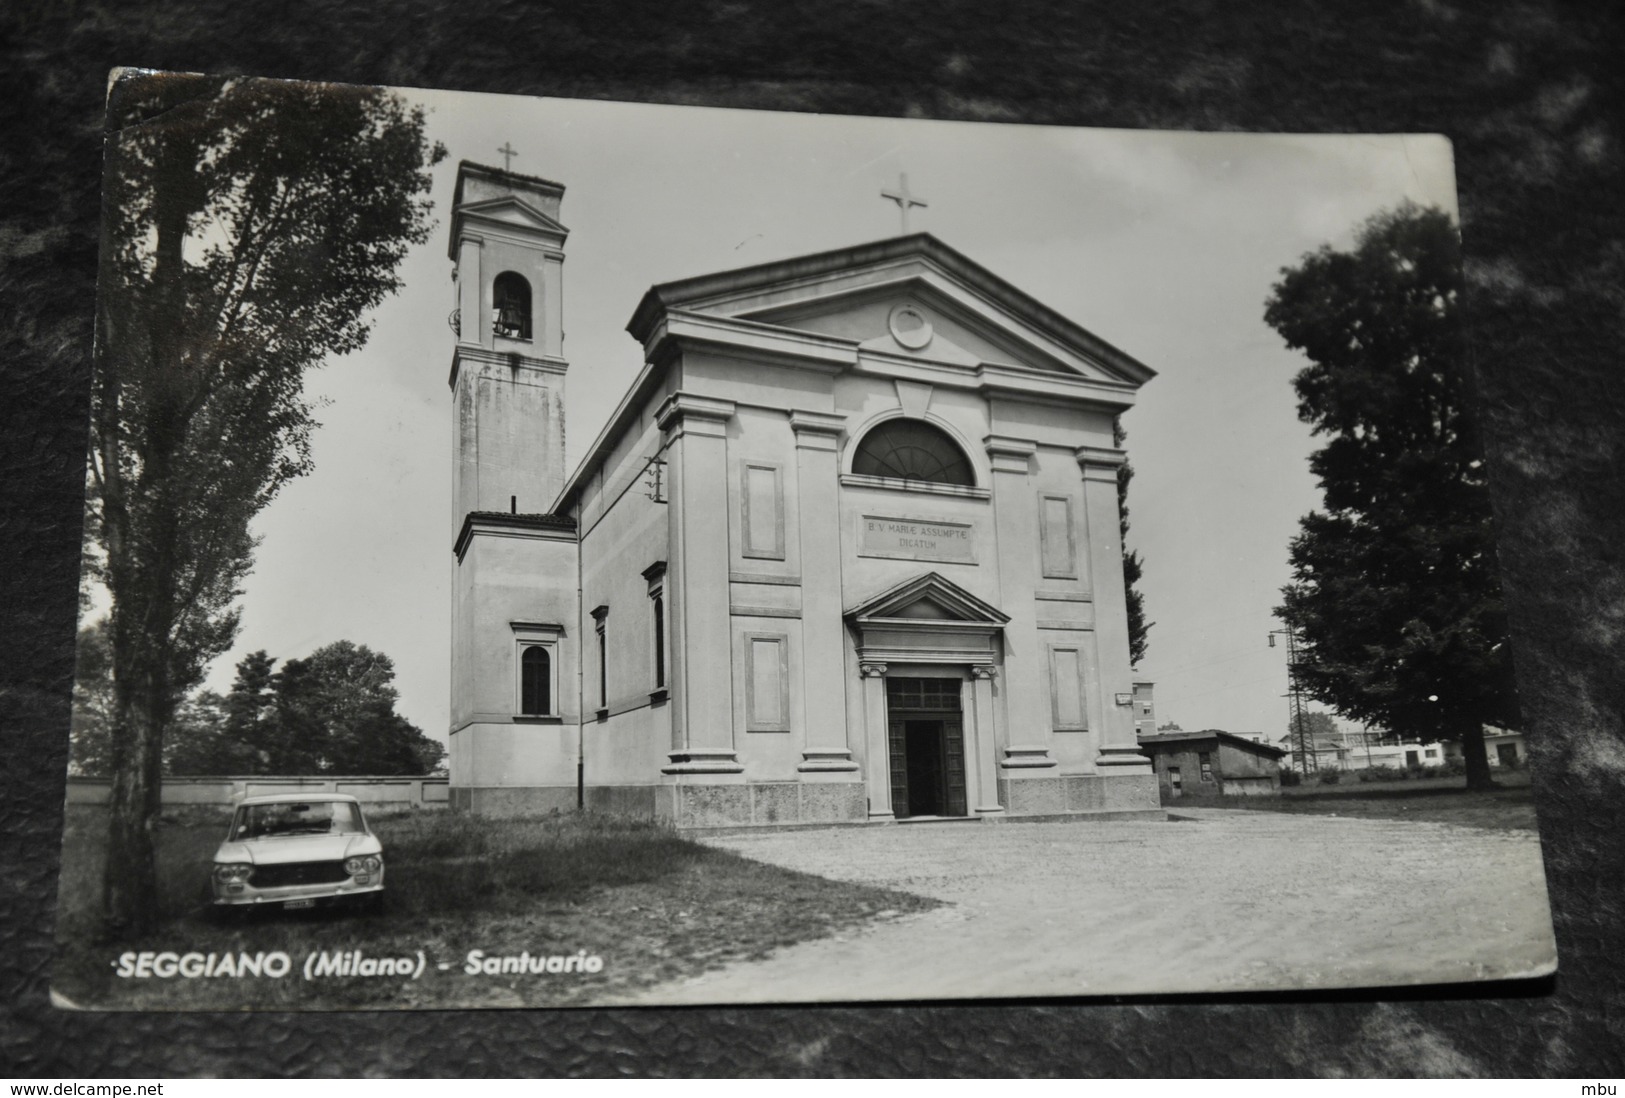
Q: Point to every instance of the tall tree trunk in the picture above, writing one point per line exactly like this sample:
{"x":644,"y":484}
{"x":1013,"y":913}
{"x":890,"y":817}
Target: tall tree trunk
{"x":130,"y":880}
{"x":142,"y":569}
{"x":1470,"y":734}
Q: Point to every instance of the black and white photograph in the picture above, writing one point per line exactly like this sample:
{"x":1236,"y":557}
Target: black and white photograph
{"x":550,"y":553}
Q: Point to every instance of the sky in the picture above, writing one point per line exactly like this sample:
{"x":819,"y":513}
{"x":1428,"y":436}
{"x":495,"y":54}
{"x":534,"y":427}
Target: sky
{"x":1164,"y":244}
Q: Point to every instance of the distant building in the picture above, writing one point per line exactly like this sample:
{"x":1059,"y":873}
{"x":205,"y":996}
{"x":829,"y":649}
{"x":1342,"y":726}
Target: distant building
{"x":1505,"y":749}
{"x":1212,"y":763}
{"x":1360,"y":749}
{"x":1145,"y":712}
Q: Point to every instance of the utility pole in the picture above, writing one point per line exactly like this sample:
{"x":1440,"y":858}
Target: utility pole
{"x":1306,"y":757}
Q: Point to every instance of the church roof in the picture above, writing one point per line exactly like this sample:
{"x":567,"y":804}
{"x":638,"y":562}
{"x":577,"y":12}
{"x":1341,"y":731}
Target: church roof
{"x":1211,"y":735}
{"x":505,"y":175}
{"x":696,"y":292}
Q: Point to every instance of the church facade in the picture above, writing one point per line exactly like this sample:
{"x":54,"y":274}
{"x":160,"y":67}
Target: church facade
{"x":847,"y":550}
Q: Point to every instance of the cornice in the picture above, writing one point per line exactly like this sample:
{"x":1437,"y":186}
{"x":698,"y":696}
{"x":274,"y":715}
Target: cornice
{"x":512,"y":360}
{"x":766,"y":343}
{"x":506,"y":524}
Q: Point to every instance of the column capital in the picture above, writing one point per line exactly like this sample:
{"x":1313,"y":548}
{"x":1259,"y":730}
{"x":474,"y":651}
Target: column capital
{"x":871,"y":670}
{"x":984,"y":671}
{"x":817,"y":430}
{"x":1010,"y":455}
{"x":690,"y":411}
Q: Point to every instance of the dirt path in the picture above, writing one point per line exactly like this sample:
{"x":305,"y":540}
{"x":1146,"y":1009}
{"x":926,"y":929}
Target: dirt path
{"x":1233,"y":901}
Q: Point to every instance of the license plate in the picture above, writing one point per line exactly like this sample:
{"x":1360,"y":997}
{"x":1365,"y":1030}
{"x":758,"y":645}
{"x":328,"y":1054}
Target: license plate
{"x":291,"y":904}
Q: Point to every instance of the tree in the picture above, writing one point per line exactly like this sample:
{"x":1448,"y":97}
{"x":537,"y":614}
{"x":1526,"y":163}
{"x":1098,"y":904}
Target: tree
{"x":90,"y":739}
{"x":1395,"y":591}
{"x":1319,"y":731}
{"x":335,"y":712}
{"x":1319,"y":727}
{"x":248,"y":228}
{"x":197,"y":741}
{"x":331,"y":713}
{"x":1138,"y":628}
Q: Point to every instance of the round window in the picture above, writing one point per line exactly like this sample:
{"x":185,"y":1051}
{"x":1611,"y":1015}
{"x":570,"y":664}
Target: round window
{"x":909,"y":327}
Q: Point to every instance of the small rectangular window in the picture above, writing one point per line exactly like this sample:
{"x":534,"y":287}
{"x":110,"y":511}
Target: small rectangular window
{"x":660,"y":639}
{"x":763,"y":516}
{"x":1205,"y":758}
{"x":535,"y":681}
{"x":600,"y":616}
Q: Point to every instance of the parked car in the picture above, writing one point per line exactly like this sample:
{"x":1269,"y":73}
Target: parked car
{"x":294,"y":850}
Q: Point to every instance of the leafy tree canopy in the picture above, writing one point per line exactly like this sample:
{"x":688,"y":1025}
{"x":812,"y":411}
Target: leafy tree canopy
{"x":90,"y":739}
{"x":330,"y":713}
{"x":1395,"y":590}
{"x":1139,"y":630}
{"x":1318,"y":728}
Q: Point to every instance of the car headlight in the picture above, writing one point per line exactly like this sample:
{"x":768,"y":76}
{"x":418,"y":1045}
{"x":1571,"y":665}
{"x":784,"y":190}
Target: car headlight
{"x":364,"y":865}
{"x":233,"y":873}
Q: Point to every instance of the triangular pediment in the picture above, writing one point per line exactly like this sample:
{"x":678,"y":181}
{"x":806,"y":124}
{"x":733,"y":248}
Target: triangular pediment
{"x":511,"y":210}
{"x":928,"y":597}
{"x":941,"y":329}
{"x":900,"y":299}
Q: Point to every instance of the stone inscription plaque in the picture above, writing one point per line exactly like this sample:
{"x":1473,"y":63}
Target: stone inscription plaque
{"x":916,"y":539}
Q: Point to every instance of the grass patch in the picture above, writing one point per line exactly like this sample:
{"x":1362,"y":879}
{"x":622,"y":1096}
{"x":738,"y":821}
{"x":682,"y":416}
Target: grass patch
{"x":1434,"y":800}
{"x":654,"y":905}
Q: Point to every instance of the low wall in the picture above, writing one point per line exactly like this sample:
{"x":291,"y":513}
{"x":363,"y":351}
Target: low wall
{"x":374,"y":792}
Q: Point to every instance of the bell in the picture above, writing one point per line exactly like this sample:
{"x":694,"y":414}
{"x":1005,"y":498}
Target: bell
{"x":507,"y":320}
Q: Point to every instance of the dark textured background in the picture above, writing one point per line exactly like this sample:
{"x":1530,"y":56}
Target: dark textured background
{"x":1529,"y":92}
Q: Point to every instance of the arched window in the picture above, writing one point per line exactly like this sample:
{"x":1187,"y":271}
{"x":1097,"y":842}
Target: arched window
{"x":535,"y":683}
{"x":912,"y":449}
{"x":510,"y":305}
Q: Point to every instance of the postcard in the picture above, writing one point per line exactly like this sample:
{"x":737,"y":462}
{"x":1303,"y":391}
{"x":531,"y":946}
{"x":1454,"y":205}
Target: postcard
{"x":554,"y":553}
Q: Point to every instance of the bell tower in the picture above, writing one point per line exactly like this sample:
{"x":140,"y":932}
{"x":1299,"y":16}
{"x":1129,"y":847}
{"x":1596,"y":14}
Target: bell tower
{"x":507,"y":373}
{"x":514,"y":714}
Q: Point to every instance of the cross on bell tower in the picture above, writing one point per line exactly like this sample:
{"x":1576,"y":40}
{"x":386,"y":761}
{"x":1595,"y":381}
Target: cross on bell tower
{"x":508,"y":153}
{"x":903,"y":198}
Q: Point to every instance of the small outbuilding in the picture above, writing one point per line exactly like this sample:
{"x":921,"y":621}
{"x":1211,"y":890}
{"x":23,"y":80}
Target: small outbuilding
{"x":1212,"y":763}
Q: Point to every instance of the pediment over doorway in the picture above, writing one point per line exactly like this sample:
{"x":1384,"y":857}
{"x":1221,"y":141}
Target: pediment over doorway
{"x":927,"y":599}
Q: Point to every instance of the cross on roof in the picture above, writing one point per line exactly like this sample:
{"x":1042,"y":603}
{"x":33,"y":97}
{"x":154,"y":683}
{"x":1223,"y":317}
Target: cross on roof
{"x":508,"y":153}
{"x":903,"y":198}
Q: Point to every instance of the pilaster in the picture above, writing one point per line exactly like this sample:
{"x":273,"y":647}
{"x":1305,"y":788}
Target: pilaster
{"x":467,"y":274}
{"x":1118,"y":749}
{"x":701,"y":667}
{"x":825,"y":749}
{"x":1015,"y":518}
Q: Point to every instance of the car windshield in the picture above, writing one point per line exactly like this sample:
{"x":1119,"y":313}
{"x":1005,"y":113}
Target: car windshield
{"x":260,"y":821}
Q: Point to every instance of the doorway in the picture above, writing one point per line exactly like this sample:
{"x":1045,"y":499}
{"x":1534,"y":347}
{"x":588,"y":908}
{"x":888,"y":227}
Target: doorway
{"x":926,"y":737}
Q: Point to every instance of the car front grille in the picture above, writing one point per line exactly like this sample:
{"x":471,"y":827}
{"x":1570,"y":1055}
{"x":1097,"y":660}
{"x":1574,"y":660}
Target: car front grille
{"x":298,"y":873}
